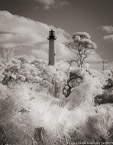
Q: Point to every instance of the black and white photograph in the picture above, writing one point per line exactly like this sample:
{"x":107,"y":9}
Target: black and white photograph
{"x":56,"y":72}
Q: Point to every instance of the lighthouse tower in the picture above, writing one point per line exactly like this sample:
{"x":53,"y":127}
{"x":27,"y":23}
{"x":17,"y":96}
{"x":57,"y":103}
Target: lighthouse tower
{"x":51,"y":39}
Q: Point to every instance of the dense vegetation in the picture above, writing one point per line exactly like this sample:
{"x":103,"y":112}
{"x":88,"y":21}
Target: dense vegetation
{"x":54,"y":105}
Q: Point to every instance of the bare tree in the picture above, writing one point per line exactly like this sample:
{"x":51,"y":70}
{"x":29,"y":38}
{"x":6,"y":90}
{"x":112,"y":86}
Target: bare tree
{"x":81,"y":46}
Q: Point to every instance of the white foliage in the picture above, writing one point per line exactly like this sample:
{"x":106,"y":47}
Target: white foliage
{"x":32,"y":105}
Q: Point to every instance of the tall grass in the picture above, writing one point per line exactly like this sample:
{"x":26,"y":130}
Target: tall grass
{"x":29,"y":115}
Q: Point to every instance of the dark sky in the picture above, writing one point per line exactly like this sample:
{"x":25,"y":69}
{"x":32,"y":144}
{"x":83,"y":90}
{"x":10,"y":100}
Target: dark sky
{"x":78,"y":15}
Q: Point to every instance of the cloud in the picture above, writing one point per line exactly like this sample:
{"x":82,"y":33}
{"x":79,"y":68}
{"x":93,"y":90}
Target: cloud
{"x":40,"y":54}
{"x":16,"y":31}
{"x":5,"y":37}
{"x":53,"y":3}
{"x":108,"y":37}
{"x":94,"y":57}
{"x":61,"y":51}
{"x":108,"y":29}
{"x":47,"y":2}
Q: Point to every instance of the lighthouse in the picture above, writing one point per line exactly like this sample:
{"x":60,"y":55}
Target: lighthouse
{"x":51,"y":39}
